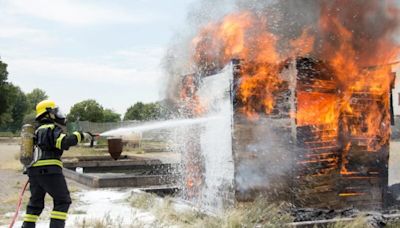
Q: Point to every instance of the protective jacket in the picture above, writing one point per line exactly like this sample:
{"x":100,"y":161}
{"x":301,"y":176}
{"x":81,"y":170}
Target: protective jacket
{"x":45,"y":174}
{"x":51,"y":143}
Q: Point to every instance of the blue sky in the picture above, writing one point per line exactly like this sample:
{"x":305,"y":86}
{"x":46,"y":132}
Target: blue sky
{"x":75,"y":50}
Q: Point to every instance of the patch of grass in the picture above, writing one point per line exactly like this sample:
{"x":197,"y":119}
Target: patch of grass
{"x":261,"y":213}
{"x":393,"y":224}
{"x":101,"y":142}
{"x":142,"y":200}
{"x":73,"y":189}
{"x":145,"y":146}
{"x":168,"y":215}
{"x":85,"y":151}
{"x":136,"y":223}
{"x":166,"y":212}
{"x":9,"y":134}
{"x":149,"y":145}
{"x":105,"y":222}
{"x":135,"y":151}
{"x":102,"y":150}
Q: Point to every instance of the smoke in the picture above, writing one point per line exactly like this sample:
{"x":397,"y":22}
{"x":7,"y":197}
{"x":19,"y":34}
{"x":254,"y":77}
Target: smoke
{"x":177,"y":61}
{"x":271,"y":144}
{"x":372,"y":28}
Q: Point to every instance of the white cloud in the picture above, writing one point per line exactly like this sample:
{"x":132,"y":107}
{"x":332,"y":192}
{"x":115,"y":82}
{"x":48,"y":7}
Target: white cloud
{"x":142,"y":57}
{"x":15,"y":32}
{"x":74,"y":12}
{"x":74,"y":70}
{"x":27,"y":34}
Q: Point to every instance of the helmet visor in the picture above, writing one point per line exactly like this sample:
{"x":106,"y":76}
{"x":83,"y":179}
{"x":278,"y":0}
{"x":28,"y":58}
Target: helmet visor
{"x":58,"y":113}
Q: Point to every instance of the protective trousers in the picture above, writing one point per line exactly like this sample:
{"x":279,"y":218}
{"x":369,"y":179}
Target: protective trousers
{"x":41,"y":182}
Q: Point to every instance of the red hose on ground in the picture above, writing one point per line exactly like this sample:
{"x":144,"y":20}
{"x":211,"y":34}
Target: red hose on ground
{"x":21,"y":194}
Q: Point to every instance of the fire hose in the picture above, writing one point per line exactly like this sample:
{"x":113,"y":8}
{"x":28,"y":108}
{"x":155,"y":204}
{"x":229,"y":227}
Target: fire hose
{"x":21,"y":195}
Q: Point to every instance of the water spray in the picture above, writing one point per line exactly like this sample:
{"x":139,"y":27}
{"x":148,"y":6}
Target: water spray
{"x":167,"y":124}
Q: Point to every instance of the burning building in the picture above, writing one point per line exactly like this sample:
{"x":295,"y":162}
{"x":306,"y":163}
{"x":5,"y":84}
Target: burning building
{"x":303,"y":117}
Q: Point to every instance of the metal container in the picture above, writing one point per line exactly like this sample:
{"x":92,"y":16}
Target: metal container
{"x":26,"y":152}
{"x":115,"y":147}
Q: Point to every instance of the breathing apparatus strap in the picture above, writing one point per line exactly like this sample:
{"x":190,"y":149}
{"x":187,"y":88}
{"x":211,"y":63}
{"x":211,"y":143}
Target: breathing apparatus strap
{"x":52,"y":126}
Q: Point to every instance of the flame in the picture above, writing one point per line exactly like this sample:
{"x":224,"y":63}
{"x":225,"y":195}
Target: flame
{"x":304,"y":44}
{"x":190,"y":101}
{"x":316,"y":108}
{"x":350,"y":103}
{"x":242,"y":36}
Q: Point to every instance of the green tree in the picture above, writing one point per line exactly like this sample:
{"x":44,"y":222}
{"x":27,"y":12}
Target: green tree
{"x":3,"y":89}
{"x":17,"y":108}
{"x":111,"y":116}
{"x":35,"y":96}
{"x":140,"y":111}
{"x":151,"y":111}
{"x":30,"y":118}
{"x":87,"y":110}
{"x":135,"y":112}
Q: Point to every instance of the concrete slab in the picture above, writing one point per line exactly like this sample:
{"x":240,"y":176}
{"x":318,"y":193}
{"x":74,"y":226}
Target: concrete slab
{"x":129,"y":171}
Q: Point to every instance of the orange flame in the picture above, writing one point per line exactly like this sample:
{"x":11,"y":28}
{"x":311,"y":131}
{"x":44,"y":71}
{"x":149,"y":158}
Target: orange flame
{"x":359,"y":61}
{"x":316,"y":108}
{"x":242,"y":36}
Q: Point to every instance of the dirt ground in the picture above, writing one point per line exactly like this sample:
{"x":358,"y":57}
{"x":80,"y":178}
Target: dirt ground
{"x":11,"y":179}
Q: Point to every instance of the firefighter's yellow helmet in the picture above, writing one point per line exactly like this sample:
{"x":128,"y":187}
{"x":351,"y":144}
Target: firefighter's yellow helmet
{"x":44,"y":106}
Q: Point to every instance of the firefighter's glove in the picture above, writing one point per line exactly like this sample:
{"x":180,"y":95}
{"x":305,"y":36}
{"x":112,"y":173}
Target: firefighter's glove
{"x":87,"y":137}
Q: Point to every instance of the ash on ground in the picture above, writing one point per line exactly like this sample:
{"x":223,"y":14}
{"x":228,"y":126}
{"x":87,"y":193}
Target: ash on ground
{"x":373,"y":218}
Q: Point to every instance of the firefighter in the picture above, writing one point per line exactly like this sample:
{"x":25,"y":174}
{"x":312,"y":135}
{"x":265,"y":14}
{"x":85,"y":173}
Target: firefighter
{"x":45,"y":172}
